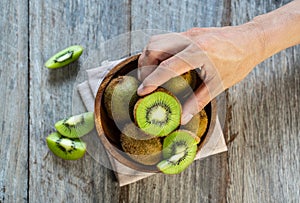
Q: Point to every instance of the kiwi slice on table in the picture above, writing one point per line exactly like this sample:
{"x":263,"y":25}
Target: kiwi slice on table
{"x":179,"y":151}
{"x":76,"y":126}
{"x":140,"y":147}
{"x":119,"y":98}
{"x":182,"y":85}
{"x":64,"y":57}
{"x":66,"y":148}
{"x":198,"y":124}
{"x":158,"y":113}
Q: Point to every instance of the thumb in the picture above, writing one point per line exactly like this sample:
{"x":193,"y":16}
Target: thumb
{"x":195,"y":103}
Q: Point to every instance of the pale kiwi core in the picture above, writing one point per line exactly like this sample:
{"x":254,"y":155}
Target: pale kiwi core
{"x":158,"y":114}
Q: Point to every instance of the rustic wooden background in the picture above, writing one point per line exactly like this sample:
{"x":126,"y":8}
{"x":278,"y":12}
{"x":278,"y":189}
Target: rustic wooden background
{"x":262,"y":117}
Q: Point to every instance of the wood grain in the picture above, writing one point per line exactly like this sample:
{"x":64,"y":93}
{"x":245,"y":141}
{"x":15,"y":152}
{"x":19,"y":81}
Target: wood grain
{"x":14,"y":101}
{"x":262,"y":164}
{"x":264,"y":157}
{"x":55,"y":25}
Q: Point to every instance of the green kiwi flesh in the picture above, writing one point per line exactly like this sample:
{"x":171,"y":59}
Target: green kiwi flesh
{"x":179,"y":151}
{"x":65,"y":148}
{"x":119,"y":98}
{"x":64,"y":57}
{"x":139,"y":146}
{"x":76,"y":126}
{"x":158,"y":113}
{"x":198,"y":124}
{"x":182,"y":85}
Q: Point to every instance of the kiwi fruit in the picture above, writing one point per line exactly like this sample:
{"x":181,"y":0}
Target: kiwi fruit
{"x":158,"y":113}
{"x":76,"y":126}
{"x":179,"y":151}
{"x":64,"y":57}
{"x":182,"y":85}
{"x":139,"y":146}
{"x":66,"y":148}
{"x":119,"y":98}
{"x":198,"y":124}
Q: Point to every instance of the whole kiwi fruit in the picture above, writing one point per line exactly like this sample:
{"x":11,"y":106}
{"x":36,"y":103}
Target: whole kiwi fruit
{"x":183,"y":85}
{"x":198,"y":124}
{"x":119,"y":98}
{"x":139,"y":146}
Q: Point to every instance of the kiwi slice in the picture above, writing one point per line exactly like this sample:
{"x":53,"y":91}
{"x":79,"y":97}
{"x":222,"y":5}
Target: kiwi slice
{"x":140,"y":147}
{"x":158,"y":113}
{"x":76,"y":126}
{"x":66,"y":148}
{"x":198,"y":124}
{"x":119,"y":98}
{"x":64,"y":57}
{"x":182,"y":85}
{"x":179,"y":151}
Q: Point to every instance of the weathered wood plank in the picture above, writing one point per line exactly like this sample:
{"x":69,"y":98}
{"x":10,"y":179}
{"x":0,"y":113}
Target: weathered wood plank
{"x":205,"y":180}
{"x":264,"y":157}
{"x":14,"y":101}
{"x":55,"y":25}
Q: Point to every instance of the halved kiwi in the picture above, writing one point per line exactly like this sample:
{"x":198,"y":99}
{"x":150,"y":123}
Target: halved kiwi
{"x":66,"y":148}
{"x":76,"y":126}
{"x":64,"y":57}
{"x":119,"y":98}
{"x":140,"y":147}
{"x":158,"y":113}
{"x":179,"y":151}
{"x":198,"y":124}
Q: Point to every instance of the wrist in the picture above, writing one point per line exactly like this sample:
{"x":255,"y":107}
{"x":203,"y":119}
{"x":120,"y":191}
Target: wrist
{"x":254,"y":40}
{"x":280,"y":28}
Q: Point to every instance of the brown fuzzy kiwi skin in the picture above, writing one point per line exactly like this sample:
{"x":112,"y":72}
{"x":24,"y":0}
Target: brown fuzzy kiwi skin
{"x":139,"y":146}
{"x":123,"y":88}
{"x":198,"y":124}
{"x":159,"y":89}
{"x":183,"y":85}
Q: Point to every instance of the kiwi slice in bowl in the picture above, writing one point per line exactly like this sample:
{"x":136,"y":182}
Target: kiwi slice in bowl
{"x":119,"y":98}
{"x":179,"y":151}
{"x":158,"y":113}
{"x":198,"y":124}
{"x":66,"y":148}
{"x":76,"y":126}
{"x":139,"y":146}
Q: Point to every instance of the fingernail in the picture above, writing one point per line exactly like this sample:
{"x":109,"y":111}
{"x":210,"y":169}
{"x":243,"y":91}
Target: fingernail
{"x":186,"y":118}
{"x":140,"y":89}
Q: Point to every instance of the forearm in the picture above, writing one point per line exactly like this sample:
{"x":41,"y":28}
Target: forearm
{"x":279,"y":29}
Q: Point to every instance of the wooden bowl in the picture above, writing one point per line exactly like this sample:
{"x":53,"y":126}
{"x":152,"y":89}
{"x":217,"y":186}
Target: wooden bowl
{"x":109,"y":133}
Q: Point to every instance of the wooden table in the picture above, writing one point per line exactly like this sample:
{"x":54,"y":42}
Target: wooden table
{"x":262,"y":112}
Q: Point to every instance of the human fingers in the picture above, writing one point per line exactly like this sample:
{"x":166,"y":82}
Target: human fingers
{"x":195,"y":103}
{"x":160,"y":48}
{"x":211,"y":86}
{"x":170,"y":68}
